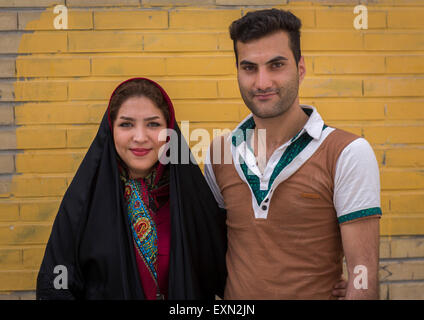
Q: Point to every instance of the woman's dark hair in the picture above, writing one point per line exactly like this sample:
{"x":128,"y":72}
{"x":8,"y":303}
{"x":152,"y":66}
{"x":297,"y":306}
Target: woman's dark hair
{"x":257,"y":24}
{"x":137,"y":88}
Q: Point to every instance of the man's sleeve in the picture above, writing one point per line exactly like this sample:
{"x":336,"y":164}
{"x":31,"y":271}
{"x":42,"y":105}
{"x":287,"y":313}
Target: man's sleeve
{"x":357,"y":183}
{"x":211,"y":180}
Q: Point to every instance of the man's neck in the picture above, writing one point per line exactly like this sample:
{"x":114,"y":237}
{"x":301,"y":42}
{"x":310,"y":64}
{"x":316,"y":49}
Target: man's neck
{"x":279,"y":129}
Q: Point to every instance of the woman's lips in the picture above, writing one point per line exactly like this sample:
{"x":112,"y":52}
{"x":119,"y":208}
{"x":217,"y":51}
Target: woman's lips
{"x":139,"y":152}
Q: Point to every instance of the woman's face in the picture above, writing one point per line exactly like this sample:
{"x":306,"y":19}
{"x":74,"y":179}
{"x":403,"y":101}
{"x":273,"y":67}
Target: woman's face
{"x":135,"y":132}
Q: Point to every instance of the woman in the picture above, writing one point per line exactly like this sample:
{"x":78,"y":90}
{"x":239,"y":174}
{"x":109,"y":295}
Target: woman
{"x":130,"y":227}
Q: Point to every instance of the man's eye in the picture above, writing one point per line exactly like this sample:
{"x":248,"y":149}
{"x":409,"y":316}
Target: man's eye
{"x":277,"y":65}
{"x":248,"y":68}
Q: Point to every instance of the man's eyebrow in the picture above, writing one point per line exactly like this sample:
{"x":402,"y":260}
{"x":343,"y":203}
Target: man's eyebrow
{"x":276,"y":59}
{"x":247,"y":62}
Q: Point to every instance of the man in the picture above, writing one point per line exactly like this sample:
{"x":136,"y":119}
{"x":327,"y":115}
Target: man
{"x":314,"y":194}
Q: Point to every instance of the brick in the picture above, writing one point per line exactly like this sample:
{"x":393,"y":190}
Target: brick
{"x":92,"y":90}
{"x":5,"y":186}
{"x":7,"y":68}
{"x":189,"y":65}
{"x":103,"y":3}
{"x":48,"y":67}
{"x":393,"y":41}
{"x":384,"y":291}
{"x":7,"y":139}
{"x":24,"y":233}
{"x":178,"y":42}
{"x":30,"y":3}
{"x":384,"y":247}
{"x":394,"y":134}
{"x":307,"y":16}
{"x":249,"y":2}
{"x":119,"y":19}
{"x":225,"y":43}
{"x":10,"y":42}
{"x":6,"y":115}
{"x":349,"y":64}
{"x":7,"y":163}
{"x":411,"y":247}
{"x":128,"y":66}
{"x":407,"y":203}
{"x":9,"y":211}
{"x":406,"y":18}
{"x":10,"y":257}
{"x":331,"y":40}
{"x":7,"y":91}
{"x":190,"y":89}
{"x":403,"y":270}
{"x":340,"y":18}
{"x":207,"y":111}
{"x":394,"y":87}
{"x":42,"y":210}
{"x":80,"y":137}
{"x":8,"y":296}
{"x":53,"y":113}
{"x":401,"y":180}
{"x":27,"y":295}
{"x":8,"y":20}
{"x":176,"y":2}
{"x":405,"y":64}
{"x":105,"y":41}
{"x":18,"y":280}
{"x":406,"y":291}
{"x":41,"y":91}
{"x":350,"y":110}
{"x":401,"y":225}
{"x":37,"y":20}
{"x":48,"y":162}
{"x":44,"y":42}
{"x":405,"y":158}
{"x":38,"y":186}
{"x":228,"y":89}
{"x":405,"y":110}
{"x":315,"y":87}
{"x":40,"y":138}
{"x":32,"y":257}
{"x":202,"y":19}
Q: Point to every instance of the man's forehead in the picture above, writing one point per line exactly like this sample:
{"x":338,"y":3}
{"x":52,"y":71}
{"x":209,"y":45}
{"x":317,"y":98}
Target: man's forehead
{"x":265,"y":48}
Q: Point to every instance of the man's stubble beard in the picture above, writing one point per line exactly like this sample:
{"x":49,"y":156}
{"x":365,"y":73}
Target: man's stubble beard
{"x":287,"y":97}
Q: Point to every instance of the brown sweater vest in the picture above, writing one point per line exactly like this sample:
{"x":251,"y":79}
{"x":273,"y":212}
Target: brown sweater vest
{"x":296,"y":253}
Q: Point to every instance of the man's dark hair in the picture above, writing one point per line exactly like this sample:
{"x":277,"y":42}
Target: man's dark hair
{"x":257,"y":24}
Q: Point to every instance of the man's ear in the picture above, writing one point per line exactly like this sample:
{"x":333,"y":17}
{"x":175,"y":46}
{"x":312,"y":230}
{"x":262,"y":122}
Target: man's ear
{"x":301,"y":69}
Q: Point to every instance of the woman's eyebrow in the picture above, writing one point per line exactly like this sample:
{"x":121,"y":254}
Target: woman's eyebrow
{"x":151,"y":118}
{"x":126,"y":118}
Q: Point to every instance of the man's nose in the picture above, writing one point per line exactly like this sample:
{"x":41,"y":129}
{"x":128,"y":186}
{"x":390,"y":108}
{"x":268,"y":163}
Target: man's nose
{"x":263,"y":79}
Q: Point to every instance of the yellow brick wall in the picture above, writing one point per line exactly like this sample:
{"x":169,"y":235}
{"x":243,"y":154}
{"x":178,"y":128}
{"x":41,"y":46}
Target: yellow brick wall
{"x":55,"y":84}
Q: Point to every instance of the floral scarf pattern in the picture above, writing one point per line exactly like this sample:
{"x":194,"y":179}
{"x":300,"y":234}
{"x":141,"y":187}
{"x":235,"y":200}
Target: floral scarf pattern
{"x":142,"y":205}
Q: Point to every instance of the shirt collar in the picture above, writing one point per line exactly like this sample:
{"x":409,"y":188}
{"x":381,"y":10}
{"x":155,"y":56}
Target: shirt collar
{"x":313,"y":126}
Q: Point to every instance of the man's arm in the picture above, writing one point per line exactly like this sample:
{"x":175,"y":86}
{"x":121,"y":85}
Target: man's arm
{"x":361,"y":247}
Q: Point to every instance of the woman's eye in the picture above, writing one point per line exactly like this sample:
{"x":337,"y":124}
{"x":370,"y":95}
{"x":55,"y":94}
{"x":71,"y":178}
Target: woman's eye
{"x":154,"y":124}
{"x":125,"y":124}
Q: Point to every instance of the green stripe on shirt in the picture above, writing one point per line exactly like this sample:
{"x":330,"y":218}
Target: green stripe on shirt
{"x":359,"y":214}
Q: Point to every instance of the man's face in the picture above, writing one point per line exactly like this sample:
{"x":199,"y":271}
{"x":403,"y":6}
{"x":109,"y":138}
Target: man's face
{"x":268,"y":76}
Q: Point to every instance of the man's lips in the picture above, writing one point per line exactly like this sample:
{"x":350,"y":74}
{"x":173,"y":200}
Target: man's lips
{"x":265,"y":96}
{"x":139,"y":152}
